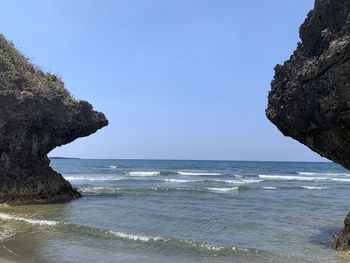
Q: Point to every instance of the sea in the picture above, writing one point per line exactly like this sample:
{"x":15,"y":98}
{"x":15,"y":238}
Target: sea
{"x":149,"y":211}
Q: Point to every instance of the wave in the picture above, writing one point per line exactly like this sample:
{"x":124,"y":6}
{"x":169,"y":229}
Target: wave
{"x":289,"y":177}
{"x":314,"y":187}
{"x":222,"y":190}
{"x":196,"y":173}
{"x":40,"y":222}
{"x":269,"y":187}
{"x":243,"y":181}
{"x":340,"y":180}
{"x":99,"y":190}
{"x":92,"y":178}
{"x":138,"y":191}
{"x":325,"y":174}
{"x":159,"y":242}
{"x":143,"y":173}
{"x":113,"y":166}
{"x":181,"y":181}
{"x":302,"y":178}
{"x":239,"y":182}
{"x":135,"y":237}
{"x":181,"y":243}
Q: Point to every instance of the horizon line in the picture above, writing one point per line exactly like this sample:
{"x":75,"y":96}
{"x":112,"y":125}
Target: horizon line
{"x":174,"y":159}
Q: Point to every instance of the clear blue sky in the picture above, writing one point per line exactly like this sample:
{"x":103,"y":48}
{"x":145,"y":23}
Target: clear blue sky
{"x":177,"y":79}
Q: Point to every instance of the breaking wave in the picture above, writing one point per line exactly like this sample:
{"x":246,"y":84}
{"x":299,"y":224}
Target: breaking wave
{"x":196,"y":173}
{"x":324,"y":174}
{"x":143,"y":173}
{"x":269,"y":187}
{"x":99,"y":190}
{"x":289,"y":177}
{"x":171,"y":242}
{"x":222,"y":190}
{"x":314,"y":187}
{"x":181,"y":181}
{"x":301,"y":178}
{"x":40,"y":222}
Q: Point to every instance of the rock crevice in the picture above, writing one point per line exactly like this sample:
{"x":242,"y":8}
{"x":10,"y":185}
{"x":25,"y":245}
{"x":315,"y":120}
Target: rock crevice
{"x":37,"y":114}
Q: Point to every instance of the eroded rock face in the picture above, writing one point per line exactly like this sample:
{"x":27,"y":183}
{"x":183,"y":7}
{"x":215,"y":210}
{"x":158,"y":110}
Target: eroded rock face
{"x":37,"y":114}
{"x":341,"y":241}
{"x":310,"y":93}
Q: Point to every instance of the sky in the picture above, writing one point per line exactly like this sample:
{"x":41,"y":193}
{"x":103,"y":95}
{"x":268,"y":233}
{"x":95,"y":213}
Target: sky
{"x":177,"y":79}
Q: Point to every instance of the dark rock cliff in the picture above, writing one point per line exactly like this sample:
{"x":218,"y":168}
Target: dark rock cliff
{"x":37,"y":114}
{"x":310,"y":93}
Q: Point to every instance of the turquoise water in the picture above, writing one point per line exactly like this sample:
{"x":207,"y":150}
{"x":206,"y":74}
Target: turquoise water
{"x":184,"y":211}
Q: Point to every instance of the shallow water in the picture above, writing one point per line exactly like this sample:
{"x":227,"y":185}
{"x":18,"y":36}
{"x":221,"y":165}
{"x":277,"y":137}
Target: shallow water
{"x":184,"y":211}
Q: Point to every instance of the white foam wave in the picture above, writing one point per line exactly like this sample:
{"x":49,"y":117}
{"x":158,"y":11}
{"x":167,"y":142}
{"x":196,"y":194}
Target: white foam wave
{"x":179,"y":242}
{"x":345,"y":180}
{"x":135,"y":237}
{"x":244,"y":181}
{"x":269,"y":187}
{"x":113,"y":166}
{"x":226,"y":181}
{"x":4,"y":216}
{"x":181,"y":181}
{"x":323,"y":174}
{"x":289,"y":177}
{"x":196,"y":173}
{"x":143,"y":173}
{"x":99,"y":190}
{"x":314,"y":187}
{"x":251,"y":181}
{"x":247,"y":181}
{"x":222,"y":190}
{"x":302,"y":178}
{"x":91,"y":178}
{"x":306,"y":173}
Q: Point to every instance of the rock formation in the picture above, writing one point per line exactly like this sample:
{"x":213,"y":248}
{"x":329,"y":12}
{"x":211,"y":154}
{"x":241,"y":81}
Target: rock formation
{"x":310,"y":93}
{"x":37,"y":114}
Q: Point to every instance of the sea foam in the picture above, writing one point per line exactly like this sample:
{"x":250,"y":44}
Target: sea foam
{"x":222,"y":190}
{"x":143,"y":173}
{"x":135,"y":237}
{"x":314,"y":187}
{"x":323,"y":174}
{"x":171,"y":242}
{"x":302,"y":178}
{"x":181,"y":181}
{"x":345,"y":180}
{"x":40,"y":222}
{"x":290,"y":178}
{"x":180,"y":243}
{"x":196,"y":173}
{"x":269,"y":187}
{"x":99,"y":190}
{"x":92,"y":178}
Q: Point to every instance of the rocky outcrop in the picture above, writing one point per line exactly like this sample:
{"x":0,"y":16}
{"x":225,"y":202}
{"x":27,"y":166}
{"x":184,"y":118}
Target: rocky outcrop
{"x":341,"y":241}
{"x":37,"y":114}
{"x":310,"y":93}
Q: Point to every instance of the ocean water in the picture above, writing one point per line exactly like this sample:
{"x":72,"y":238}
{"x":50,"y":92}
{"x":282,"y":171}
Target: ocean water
{"x":184,"y":211}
